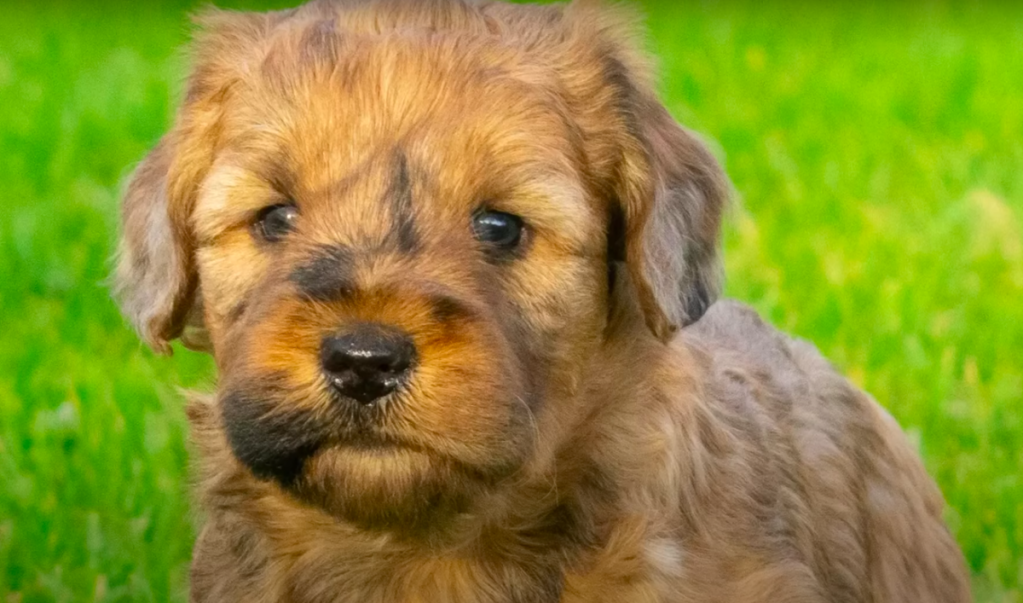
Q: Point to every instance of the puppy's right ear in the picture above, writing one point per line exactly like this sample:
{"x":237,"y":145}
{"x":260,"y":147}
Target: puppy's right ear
{"x":156,"y":279}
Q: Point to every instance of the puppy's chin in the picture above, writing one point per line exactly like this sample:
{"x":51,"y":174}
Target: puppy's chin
{"x":390,"y":488}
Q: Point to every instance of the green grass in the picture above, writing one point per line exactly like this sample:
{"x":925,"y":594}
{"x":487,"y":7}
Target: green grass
{"x":876,"y":151}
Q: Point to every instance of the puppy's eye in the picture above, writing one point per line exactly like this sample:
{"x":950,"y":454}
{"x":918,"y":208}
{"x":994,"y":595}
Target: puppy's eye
{"x":497,"y":229}
{"x":275,"y":221}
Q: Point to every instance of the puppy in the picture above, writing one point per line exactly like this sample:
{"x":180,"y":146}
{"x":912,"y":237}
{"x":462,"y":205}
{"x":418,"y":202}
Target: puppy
{"x":458,"y":267}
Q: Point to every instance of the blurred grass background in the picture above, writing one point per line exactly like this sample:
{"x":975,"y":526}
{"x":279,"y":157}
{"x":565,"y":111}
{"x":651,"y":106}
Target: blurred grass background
{"x":877,"y":150}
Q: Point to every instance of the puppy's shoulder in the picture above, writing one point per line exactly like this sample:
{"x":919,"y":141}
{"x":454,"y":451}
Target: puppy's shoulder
{"x":853,"y":484}
{"x":759,"y":373}
{"x":735,"y":338}
{"x":761,"y":381}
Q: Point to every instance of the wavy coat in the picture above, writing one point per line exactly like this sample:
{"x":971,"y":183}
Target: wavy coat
{"x":585,"y":423}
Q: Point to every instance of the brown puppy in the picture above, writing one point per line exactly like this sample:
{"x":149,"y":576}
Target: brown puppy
{"x":441,"y":252}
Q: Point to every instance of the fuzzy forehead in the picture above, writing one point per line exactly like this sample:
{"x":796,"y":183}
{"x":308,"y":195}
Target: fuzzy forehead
{"x":393,"y":63}
{"x":319,"y":27}
{"x":385,"y":51}
{"x":343,"y":81}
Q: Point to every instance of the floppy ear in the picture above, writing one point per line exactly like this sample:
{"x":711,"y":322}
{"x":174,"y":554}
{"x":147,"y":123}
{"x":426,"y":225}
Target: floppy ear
{"x":669,"y":189}
{"x":672,"y":192}
{"x":156,"y":279}
{"x":668,"y":192}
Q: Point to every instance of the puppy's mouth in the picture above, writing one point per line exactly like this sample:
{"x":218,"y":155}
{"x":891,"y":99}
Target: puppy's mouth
{"x":374,"y":446}
{"x":376,"y":481}
{"x":324,"y":457}
{"x":276,"y":442}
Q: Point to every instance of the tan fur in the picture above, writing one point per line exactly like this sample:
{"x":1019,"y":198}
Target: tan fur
{"x":580,"y":427}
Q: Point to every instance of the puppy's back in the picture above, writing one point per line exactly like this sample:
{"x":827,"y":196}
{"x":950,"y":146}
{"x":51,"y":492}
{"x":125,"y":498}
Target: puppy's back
{"x":857,"y":505}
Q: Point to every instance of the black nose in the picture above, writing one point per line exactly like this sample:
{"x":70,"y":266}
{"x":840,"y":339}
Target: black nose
{"x":367,"y":362}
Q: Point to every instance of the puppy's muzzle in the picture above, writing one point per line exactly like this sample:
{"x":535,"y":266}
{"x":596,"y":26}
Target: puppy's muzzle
{"x":367,"y":362}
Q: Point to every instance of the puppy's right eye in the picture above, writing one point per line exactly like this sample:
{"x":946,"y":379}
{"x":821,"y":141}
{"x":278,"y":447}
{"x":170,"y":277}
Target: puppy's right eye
{"x":274,"y":222}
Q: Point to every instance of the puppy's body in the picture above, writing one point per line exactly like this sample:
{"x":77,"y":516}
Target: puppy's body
{"x":451,"y":259}
{"x":736,"y":466}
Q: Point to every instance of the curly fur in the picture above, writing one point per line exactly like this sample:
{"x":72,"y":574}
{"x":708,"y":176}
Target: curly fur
{"x":585,"y":424}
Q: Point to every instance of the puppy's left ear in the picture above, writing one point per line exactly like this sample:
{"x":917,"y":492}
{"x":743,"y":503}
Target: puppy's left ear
{"x":672,"y":192}
{"x":668,"y":189}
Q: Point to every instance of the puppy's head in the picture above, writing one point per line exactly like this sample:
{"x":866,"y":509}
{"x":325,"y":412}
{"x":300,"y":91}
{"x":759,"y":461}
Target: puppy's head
{"x":396,"y":226}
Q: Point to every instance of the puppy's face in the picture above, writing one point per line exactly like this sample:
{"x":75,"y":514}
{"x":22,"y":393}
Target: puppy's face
{"x":392,"y":281}
{"x":394,"y":224}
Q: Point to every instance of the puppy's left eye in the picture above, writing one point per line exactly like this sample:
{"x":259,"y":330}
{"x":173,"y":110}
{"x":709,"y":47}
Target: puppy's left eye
{"x":497,"y":229}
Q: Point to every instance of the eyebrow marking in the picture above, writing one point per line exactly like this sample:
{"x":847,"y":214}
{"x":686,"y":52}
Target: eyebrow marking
{"x":399,"y":194}
{"x":328,"y":276}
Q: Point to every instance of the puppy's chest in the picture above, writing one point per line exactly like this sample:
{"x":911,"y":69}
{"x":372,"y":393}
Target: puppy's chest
{"x":432,"y":580}
{"x":630,"y":562}
{"x":636,"y":572}
{"x":469,"y":583}
{"x":620,"y":576}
